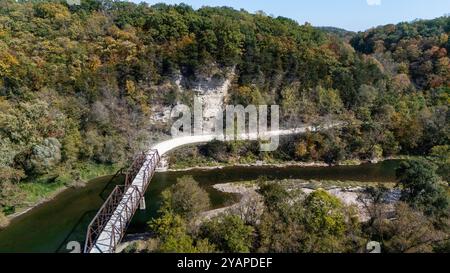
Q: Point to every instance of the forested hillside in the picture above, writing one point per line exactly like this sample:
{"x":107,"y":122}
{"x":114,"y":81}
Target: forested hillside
{"x":78,"y":83}
{"x":418,"y":50}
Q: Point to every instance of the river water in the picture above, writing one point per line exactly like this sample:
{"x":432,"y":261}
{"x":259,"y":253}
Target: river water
{"x":50,"y":226}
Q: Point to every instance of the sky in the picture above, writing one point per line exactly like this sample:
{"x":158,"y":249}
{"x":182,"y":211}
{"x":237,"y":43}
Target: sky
{"x":355,"y":15}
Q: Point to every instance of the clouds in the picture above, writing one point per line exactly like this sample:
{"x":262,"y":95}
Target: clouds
{"x":373,"y":2}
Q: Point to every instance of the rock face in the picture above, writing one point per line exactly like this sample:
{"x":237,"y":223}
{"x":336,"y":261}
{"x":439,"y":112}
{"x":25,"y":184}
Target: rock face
{"x":44,"y":156}
{"x":161,"y":114}
{"x":211,"y":93}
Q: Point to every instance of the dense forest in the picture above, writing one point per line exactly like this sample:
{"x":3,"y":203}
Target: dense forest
{"x":78,"y":83}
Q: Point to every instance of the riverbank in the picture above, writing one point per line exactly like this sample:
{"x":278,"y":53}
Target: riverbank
{"x":40,"y":190}
{"x":213,"y":165}
{"x":250,"y":201}
{"x":256,"y":164}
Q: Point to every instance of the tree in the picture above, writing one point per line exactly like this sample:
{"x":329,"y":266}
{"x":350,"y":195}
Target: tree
{"x":324,"y":213}
{"x":246,"y":95}
{"x":10,"y":196}
{"x":421,"y":187}
{"x":281,"y":230}
{"x":216,"y":150}
{"x":229,"y":233}
{"x":71,"y":145}
{"x":173,"y":237}
{"x":186,"y":198}
{"x":411,"y":231}
{"x":317,"y":223}
{"x":328,"y":101}
{"x":7,"y":62}
{"x":329,"y":225}
{"x":377,"y":152}
{"x":274,"y":195}
{"x":441,"y":153}
{"x":374,"y":200}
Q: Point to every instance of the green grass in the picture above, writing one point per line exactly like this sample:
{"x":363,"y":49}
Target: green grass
{"x":35,"y":190}
{"x":90,"y":171}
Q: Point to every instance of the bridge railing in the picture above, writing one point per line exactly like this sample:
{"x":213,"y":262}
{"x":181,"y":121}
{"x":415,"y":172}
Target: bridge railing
{"x":122,"y":202}
{"x":129,"y":205}
{"x":102,"y":217}
{"x":134,"y":169}
{"x":131,"y":200}
{"x":153,"y":159}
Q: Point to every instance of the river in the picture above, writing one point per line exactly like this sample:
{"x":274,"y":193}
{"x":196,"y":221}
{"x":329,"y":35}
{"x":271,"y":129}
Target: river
{"x":50,"y":226}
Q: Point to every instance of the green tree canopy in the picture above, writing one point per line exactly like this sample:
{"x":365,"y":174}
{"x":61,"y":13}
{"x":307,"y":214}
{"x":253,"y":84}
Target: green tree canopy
{"x":186,"y":198}
{"x":422,"y":188}
{"x":229,"y":233}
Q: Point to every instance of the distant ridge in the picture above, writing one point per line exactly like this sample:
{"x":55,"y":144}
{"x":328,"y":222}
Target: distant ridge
{"x":340,"y":32}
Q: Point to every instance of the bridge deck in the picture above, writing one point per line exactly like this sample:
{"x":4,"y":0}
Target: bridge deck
{"x":129,"y":201}
{"x":121,"y":215}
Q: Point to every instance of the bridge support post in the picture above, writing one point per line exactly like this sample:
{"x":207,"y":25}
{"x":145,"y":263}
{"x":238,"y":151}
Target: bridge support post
{"x":142,"y":205}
